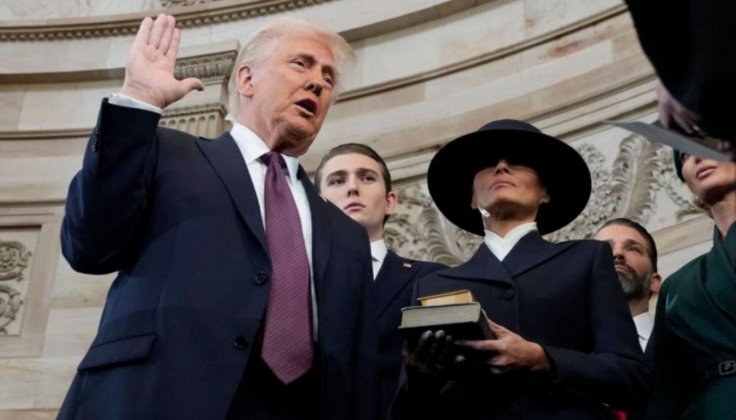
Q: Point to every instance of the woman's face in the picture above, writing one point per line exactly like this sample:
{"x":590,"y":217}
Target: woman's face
{"x":708,"y":179}
{"x":508,"y":188}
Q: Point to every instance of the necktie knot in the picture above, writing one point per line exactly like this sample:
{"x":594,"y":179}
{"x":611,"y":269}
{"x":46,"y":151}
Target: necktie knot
{"x":274,"y":160}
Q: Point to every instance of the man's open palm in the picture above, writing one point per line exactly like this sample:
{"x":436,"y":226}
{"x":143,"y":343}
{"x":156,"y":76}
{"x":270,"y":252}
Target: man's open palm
{"x":149,"y":72}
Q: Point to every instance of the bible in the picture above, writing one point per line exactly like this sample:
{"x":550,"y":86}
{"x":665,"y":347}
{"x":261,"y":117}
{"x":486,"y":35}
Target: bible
{"x":462,"y":321}
{"x":447,"y":298}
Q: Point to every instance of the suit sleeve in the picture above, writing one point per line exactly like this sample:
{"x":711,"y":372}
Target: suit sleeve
{"x":614,"y":371}
{"x":107,"y":200}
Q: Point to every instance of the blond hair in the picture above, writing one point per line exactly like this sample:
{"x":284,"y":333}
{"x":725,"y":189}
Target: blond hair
{"x":256,"y":50}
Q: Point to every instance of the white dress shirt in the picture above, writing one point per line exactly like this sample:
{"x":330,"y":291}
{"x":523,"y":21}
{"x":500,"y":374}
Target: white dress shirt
{"x":378,"y":252}
{"x":644,"y":325}
{"x":501,"y":246}
{"x":252,"y":148}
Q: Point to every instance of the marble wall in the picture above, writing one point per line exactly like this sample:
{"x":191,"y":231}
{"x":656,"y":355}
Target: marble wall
{"x":427,"y":72}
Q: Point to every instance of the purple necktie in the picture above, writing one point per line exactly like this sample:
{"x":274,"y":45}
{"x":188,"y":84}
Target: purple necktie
{"x":287,"y":339}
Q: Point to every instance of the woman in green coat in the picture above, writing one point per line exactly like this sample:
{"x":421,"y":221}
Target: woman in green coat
{"x":693,"y":345}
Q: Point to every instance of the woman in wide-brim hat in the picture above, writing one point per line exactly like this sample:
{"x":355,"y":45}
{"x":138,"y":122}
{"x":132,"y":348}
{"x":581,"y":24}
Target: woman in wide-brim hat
{"x":693,"y":344}
{"x":562,"y":172}
{"x":565,"y":344}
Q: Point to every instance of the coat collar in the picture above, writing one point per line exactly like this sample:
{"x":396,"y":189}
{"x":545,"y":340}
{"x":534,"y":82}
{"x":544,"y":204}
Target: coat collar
{"x":531,"y":251}
{"x":528,"y":253}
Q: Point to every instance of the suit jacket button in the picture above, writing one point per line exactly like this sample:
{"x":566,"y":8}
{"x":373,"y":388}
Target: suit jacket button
{"x":261,"y":277}
{"x":509,"y":294}
{"x":240,"y":343}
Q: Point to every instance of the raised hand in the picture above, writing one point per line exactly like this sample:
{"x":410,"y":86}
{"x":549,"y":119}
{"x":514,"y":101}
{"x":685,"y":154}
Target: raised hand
{"x":149,"y":71}
{"x":672,"y":112}
{"x":728,"y":148}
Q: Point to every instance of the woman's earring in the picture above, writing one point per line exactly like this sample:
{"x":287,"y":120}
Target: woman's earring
{"x":484,"y":212}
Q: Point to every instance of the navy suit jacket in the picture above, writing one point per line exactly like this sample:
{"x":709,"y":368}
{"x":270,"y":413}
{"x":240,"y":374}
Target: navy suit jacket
{"x":392,"y":290}
{"x":178,"y":217}
{"x":567,"y":298}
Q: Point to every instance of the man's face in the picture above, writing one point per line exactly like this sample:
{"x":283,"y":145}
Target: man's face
{"x":288,"y":94}
{"x":506,"y":187}
{"x":631,"y":258}
{"x":354,"y":183}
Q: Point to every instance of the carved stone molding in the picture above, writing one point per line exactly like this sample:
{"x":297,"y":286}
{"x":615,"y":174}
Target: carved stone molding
{"x":10,"y":302}
{"x":418,"y":230}
{"x":45,"y":134}
{"x":256,"y":8}
{"x":203,"y":120}
{"x":209,"y":68}
{"x":187,"y":17}
{"x":625,"y":189}
{"x":628,"y":189}
{"x":183,"y":3}
{"x":29,"y":251}
{"x":13,"y":262}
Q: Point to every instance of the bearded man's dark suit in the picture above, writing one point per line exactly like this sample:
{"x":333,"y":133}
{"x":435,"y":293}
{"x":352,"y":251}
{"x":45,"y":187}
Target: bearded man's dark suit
{"x":393,"y":287}
{"x":178,"y":217}
{"x":565,"y":297}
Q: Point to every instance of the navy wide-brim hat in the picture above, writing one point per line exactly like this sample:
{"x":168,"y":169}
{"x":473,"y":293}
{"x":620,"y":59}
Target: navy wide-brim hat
{"x":561,"y":170}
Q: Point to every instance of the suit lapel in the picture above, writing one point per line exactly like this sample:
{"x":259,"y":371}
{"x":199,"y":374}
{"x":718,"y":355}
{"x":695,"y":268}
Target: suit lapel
{"x":226,"y":159}
{"x":531,"y":251}
{"x":483,"y":266}
{"x":393,"y":276}
{"x":321,"y":229}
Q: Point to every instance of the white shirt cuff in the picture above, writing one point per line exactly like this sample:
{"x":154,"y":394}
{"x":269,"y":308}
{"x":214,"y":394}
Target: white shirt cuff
{"x":120,"y":99}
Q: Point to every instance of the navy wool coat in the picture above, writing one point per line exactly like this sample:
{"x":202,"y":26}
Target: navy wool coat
{"x":567,"y":298}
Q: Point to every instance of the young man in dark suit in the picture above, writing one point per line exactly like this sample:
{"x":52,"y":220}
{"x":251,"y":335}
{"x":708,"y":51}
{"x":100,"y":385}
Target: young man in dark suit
{"x":240,"y":293}
{"x":356,"y":179}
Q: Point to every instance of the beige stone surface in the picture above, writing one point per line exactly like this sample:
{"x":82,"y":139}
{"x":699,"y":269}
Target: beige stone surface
{"x":28,"y":414}
{"x":11,"y":102}
{"x":55,"y":9}
{"x":544,"y":15}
